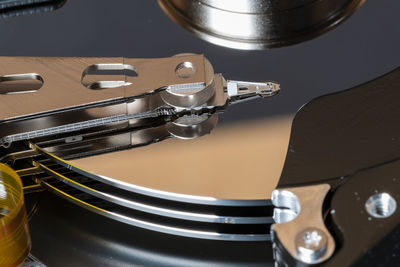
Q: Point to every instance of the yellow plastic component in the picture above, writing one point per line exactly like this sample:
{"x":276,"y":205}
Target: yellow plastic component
{"x":15,"y":242}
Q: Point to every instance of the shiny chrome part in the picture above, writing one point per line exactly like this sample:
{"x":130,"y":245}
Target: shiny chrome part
{"x":188,"y":95}
{"x":89,"y":80}
{"x":190,"y":127}
{"x":303,"y":233}
{"x":77,"y":146}
{"x":188,"y":232}
{"x":284,"y":198}
{"x":258,"y":24}
{"x":63,"y":89}
{"x":20,"y":83}
{"x":91,"y":106}
{"x":78,"y":126}
{"x":83,"y":97}
{"x":381,"y":205}
{"x":208,"y":221}
{"x":10,"y":158}
{"x":241,"y":6}
{"x":152,"y":192}
{"x":176,"y":218}
{"x":311,"y":245}
{"x":238,"y":90}
{"x":129,"y":201}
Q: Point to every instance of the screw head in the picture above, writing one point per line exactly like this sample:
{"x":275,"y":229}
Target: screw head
{"x":311,"y":245}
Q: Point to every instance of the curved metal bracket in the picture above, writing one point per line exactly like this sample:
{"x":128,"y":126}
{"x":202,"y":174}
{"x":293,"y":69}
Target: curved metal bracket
{"x":299,"y":226}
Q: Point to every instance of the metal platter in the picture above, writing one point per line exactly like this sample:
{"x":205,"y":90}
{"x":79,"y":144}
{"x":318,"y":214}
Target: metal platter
{"x":235,"y":214}
{"x":195,"y":191}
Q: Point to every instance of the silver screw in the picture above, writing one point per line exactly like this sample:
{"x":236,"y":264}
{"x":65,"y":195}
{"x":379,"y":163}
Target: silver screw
{"x":311,"y":245}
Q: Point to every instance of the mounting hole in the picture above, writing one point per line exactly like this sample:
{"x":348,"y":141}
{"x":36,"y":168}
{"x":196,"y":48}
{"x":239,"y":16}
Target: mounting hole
{"x":381,"y":205}
{"x":20,"y":83}
{"x":185,"y":70}
{"x":106,"y":76}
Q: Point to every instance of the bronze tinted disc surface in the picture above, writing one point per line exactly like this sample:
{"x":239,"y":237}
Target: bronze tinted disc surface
{"x":236,"y":161}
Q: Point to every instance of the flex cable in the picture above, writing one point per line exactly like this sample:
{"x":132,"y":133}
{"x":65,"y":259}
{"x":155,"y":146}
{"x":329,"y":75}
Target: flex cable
{"x":15,"y":242}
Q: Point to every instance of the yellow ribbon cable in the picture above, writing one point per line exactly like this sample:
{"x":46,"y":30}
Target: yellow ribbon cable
{"x":15,"y":242}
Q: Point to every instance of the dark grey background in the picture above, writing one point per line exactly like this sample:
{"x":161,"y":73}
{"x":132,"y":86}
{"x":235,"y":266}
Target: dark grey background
{"x":362,"y":48}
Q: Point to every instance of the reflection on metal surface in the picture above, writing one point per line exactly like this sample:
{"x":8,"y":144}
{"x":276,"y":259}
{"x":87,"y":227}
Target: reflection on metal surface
{"x":84,"y":99}
{"x":63,"y":91}
{"x":101,"y":70}
{"x":239,"y":161}
{"x":170,"y":228}
{"x":20,"y":83}
{"x":258,"y":24}
{"x":241,"y":215}
{"x":122,"y":198}
{"x":304,"y":236}
{"x":107,"y":110}
{"x":248,"y":222}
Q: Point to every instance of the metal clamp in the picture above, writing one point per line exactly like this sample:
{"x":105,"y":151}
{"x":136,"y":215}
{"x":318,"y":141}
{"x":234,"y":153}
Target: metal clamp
{"x":299,"y":226}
